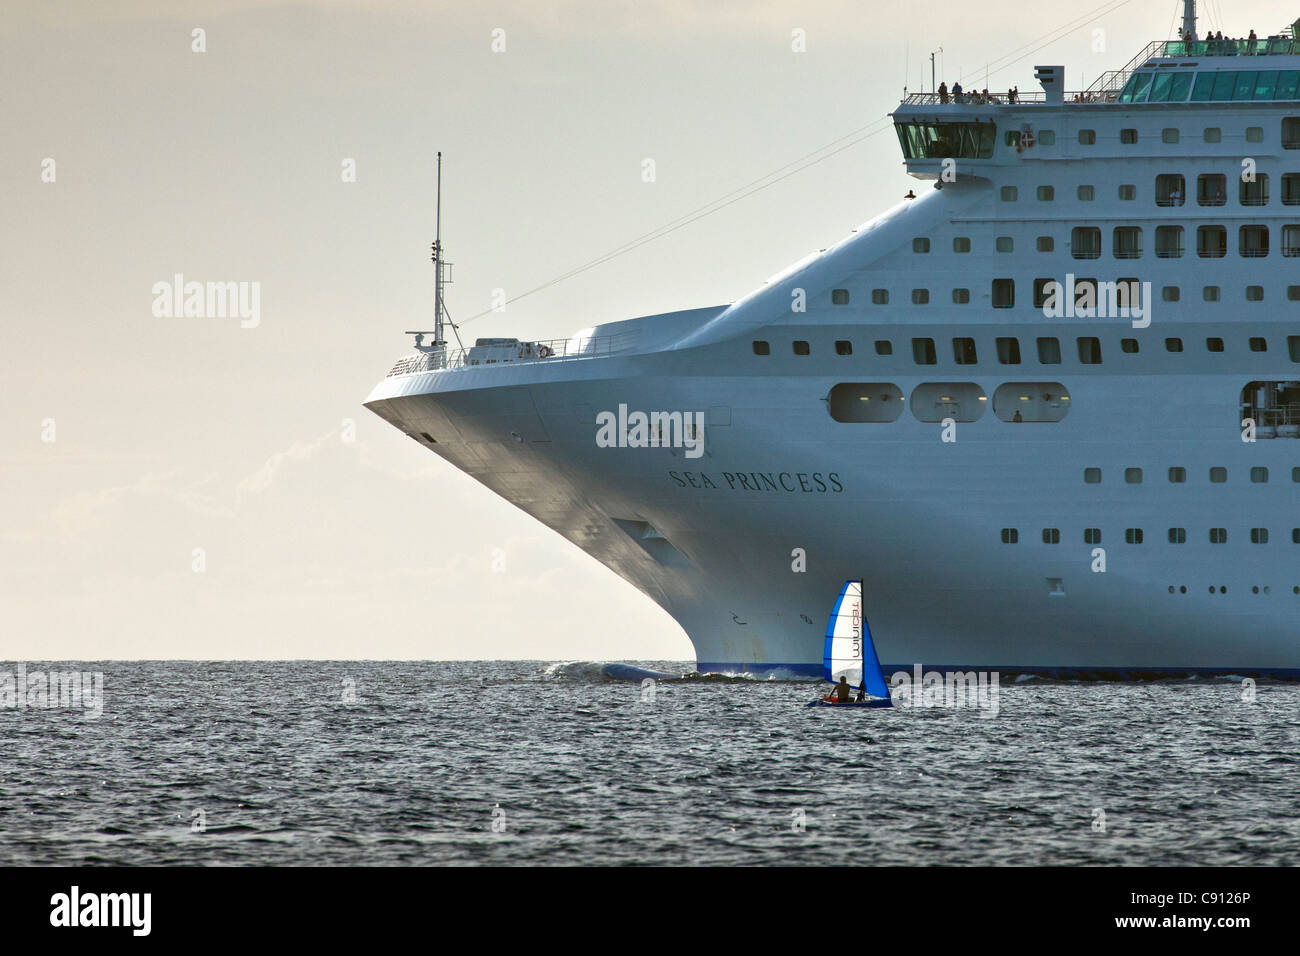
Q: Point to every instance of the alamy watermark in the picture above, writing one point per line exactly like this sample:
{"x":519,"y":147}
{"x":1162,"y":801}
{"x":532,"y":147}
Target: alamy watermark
{"x":953,"y":689}
{"x":1096,"y":299}
{"x":208,"y":300}
{"x":41,"y":690}
{"x":636,"y":429}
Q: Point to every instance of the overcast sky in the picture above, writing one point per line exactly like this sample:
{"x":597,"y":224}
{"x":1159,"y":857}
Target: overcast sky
{"x":135,"y":448}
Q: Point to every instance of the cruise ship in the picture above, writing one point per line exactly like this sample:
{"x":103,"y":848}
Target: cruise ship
{"x":1047,"y":408}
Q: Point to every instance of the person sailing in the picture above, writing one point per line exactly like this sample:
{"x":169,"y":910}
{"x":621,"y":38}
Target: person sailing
{"x":841,"y":691}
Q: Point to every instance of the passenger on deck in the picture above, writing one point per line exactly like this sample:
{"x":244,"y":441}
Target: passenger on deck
{"x":1013,"y":95}
{"x":943,"y":92}
{"x":1017,"y":417}
{"x":956,"y":92}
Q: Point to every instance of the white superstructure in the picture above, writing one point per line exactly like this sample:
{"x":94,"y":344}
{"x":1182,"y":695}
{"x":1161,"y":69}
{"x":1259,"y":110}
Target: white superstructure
{"x":1019,"y":486}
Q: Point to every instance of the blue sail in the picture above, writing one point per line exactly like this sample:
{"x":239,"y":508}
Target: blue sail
{"x":849,"y":651}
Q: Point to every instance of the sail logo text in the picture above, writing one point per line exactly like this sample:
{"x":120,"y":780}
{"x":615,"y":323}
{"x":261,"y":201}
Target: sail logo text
{"x":635,"y":429}
{"x":1094,"y":299}
{"x":74,"y":908}
{"x":954,"y":689}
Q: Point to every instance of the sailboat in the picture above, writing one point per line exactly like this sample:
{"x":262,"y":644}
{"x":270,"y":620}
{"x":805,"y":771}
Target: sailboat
{"x":850,"y":652}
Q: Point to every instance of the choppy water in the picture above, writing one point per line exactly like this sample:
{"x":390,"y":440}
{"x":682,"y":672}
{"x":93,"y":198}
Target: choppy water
{"x":517,"y":763}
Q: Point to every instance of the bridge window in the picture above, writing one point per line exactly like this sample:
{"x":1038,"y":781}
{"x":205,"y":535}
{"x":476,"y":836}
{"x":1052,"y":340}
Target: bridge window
{"x":946,"y":140}
{"x":960,"y":401}
{"x":1031,"y":402}
{"x":866,"y":402}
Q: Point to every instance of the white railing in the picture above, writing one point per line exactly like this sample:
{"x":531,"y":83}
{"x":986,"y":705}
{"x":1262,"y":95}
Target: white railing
{"x":549,"y":350}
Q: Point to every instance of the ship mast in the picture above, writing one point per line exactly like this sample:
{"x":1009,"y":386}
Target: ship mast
{"x":438,"y":338}
{"x":1189,"y":19}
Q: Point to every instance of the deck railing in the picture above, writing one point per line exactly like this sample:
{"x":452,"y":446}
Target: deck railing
{"x":548,"y":350}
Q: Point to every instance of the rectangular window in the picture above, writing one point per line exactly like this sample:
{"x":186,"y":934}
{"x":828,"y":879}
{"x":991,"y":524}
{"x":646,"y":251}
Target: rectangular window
{"x":1293,"y":347}
{"x":1128,"y":136}
{"x":1259,"y":475}
{"x":1177,"y":475}
{"x":1291,"y":189}
{"x":843,"y":347}
{"x":1177,"y":536}
{"x":1043,"y":289}
{"x":1258,"y":343}
{"x":1092,"y":536}
{"x":1127,"y":192}
{"x":961,"y":244}
{"x":1254,"y":293}
{"x":1092,"y":476}
{"x":1171,"y":189}
{"x":1254,"y":192}
{"x":1085,"y":242}
{"x":1173,"y":345}
{"x":839,"y":296}
{"x":800,"y":347}
{"x":1213,"y":134}
{"x":1170,"y":293}
{"x":1129,"y":346}
{"x":1259,"y":536}
{"x":923,"y":351}
{"x":1169,"y":135}
{"x":1218,"y":536}
{"x":1046,"y":193}
{"x":1132,"y":476}
{"x":1169,"y":242}
{"x":1089,"y":350}
{"x":1046,"y":244}
{"x":1087,"y":137}
{"x":1210,"y":293}
{"x":1133,"y":535}
{"x":1218,"y":475}
{"x":1004,"y":293}
{"x":879,"y":296}
{"x":1211,"y":189}
{"x":1291,"y":132}
{"x":1127,"y":242}
{"x":1010,"y":535}
{"x":1086,"y":193}
{"x":963,"y":351}
{"x":1046,"y":137}
{"x":1049,"y":351}
{"x":1291,"y":241}
{"x":920,"y":244}
{"x":1211,"y":242}
{"x":884,"y":347}
{"x":1010,"y":193}
{"x":1214,"y":344}
{"x":960,"y":296}
{"x":762,"y":348}
{"x":920,"y":297}
{"x":1009,"y":351}
{"x":1051,"y":536}
{"x":1005,"y":244}
{"x":1253,"y":242}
